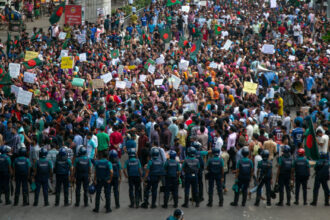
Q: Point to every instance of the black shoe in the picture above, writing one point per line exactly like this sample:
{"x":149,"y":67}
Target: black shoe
{"x":197,"y":204}
{"x":296,"y":203}
{"x":233,"y":204}
{"x":279,"y":204}
{"x":117,"y":206}
{"x":25,"y":203}
{"x":46,"y":203}
{"x":209,"y":204}
{"x":137,"y":206}
{"x":95,"y":210}
{"x":305,"y":203}
{"x":56,"y":204}
{"x":66,"y":204}
{"x":86,"y":205}
{"x":288,"y":204}
{"x":108,"y":210}
{"x":220,"y":204}
{"x":313,"y":203}
{"x":164,"y":206}
{"x":185,"y":205}
{"x":326,"y":204}
{"x":35,"y":204}
{"x":16,"y":203}
{"x":153,"y":206}
{"x":256,"y":204}
{"x":144,"y":205}
{"x":175,"y":206}
{"x":243,"y":204}
{"x":77,"y":205}
{"x":131,"y":206}
{"x":269,"y":204}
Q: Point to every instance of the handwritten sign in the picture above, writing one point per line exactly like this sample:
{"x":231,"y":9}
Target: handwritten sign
{"x":78,"y":82}
{"x":29,"y":55}
{"x":64,"y":53}
{"x":82,"y":57}
{"x":151,"y":69}
{"x":131,"y":67}
{"x":29,"y":77}
{"x":158,"y":82}
{"x":268,"y":49}
{"x":81,"y":39}
{"x":98,"y":84}
{"x":120,"y":84}
{"x":273,"y":4}
{"x":67,"y":63}
{"x":24,"y":97}
{"x":185,"y":8}
{"x":128,"y":84}
{"x":14,"y":69}
{"x":183,"y":65}
{"x":175,"y":81}
{"x":106,"y":78}
{"x":250,"y":87}
{"x":227,"y":45}
{"x":62,"y":36}
{"x":14,"y":89}
{"x":213,"y":65}
{"x":142,"y":78}
{"x":160,"y":60}
{"x":120,"y":69}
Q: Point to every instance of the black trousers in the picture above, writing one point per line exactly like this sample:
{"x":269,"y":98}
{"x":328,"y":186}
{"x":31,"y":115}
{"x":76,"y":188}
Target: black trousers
{"x":171,"y":186}
{"x":152,"y":184}
{"x":42,"y":182}
{"x":99,"y":185}
{"x":62,"y":180}
{"x":266,"y":182}
{"x":4,"y":186}
{"x":317,"y":183}
{"x":217,"y":179}
{"x":284,"y":181}
{"x":82,"y":180}
{"x":134,"y":184}
{"x":301,"y":181}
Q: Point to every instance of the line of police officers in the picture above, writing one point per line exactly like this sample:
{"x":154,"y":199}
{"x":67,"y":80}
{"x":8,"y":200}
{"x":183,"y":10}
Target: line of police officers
{"x":107,"y":175}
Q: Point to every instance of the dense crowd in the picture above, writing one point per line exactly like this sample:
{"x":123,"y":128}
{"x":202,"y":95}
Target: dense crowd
{"x":174,"y":87}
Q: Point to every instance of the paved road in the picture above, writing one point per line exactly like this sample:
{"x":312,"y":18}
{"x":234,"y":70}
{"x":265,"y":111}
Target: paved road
{"x":227,"y":212}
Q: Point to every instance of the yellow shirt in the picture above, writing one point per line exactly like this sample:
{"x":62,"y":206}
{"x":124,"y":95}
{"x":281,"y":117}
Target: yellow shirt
{"x":280,"y":106}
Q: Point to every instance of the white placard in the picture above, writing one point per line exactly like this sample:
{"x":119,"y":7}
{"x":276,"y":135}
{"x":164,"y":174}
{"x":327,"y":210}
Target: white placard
{"x":273,"y":4}
{"x":14,"y":89}
{"x":120,"y":84}
{"x":142,"y":78}
{"x":158,"y":82}
{"x":200,"y":68}
{"x":120,"y":69}
{"x":268,"y":49}
{"x":64,"y":53}
{"x":183,"y":65}
{"x":292,"y":58}
{"x":227,"y":45}
{"x":106,"y":77}
{"x":29,"y":77}
{"x":81,"y":39}
{"x":213,"y":65}
{"x":185,"y":8}
{"x":160,"y":60}
{"x":62,"y":36}
{"x":151,"y":69}
{"x":134,"y":80}
{"x":203,"y":3}
{"x":175,"y":81}
{"x":14,"y":69}
{"x":100,"y":11}
{"x":82,"y":57}
{"x":128,"y":84}
{"x":24,"y":97}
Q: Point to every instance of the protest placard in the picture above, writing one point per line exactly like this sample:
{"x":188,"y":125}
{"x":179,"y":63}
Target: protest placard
{"x":14,"y":69}
{"x":227,"y":45}
{"x":273,"y":4}
{"x":158,"y":82}
{"x":29,"y":77}
{"x":268,"y":49}
{"x":24,"y":97}
{"x":185,"y":8}
{"x":14,"y":89}
{"x":64,"y":53}
{"x":151,"y":69}
{"x":183,"y":65}
{"x":120,"y":69}
{"x":78,"y":82}
{"x":128,"y":84}
{"x":120,"y":84}
{"x":160,"y":60}
{"x":213,"y":65}
{"x":98,"y":83}
{"x":67,"y":63}
{"x":250,"y":87}
{"x":142,"y":78}
{"x":81,"y":38}
{"x":62,"y":36}
{"x":106,"y":77}
{"x":175,"y":81}
{"x":82,"y":57}
{"x":200,"y":68}
{"x":29,"y":55}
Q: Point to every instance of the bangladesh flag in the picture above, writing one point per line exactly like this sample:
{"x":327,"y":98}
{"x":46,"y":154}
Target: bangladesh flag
{"x":195,"y":47}
{"x":32,"y":63}
{"x":166,"y":35}
{"x":145,"y":38}
{"x":114,"y":54}
{"x":48,"y":106}
{"x":65,"y":43}
{"x":217,"y":29}
{"x":148,"y":63}
{"x":56,"y":15}
{"x":36,"y":36}
{"x":310,"y":141}
{"x":183,"y":42}
{"x":173,"y":2}
{"x":5,"y":78}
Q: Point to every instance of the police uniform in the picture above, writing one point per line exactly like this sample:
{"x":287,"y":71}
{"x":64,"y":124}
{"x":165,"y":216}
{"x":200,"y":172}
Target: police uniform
{"x":301,"y":167}
{"x":82,"y":167}
{"x":61,"y":169}
{"x":244,"y":166}
{"x":285,"y":167}
{"x":21,"y":166}
{"x":215,"y":171}
{"x":133,"y":166}
{"x":171,"y":167}
{"x":103,"y":173}
{"x":321,"y":178}
{"x":265,"y":167}
{"x":5,"y":164}
{"x":191,"y":168}
{"x":116,"y":166}
{"x":156,"y":170}
{"x":43,"y":168}
{"x":199,"y":156}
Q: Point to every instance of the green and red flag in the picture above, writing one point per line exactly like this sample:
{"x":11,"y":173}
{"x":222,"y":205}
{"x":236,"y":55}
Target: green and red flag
{"x":166,"y":35}
{"x":217,"y":29}
{"x":65,"y":43}
{"x":195,"y":47}
{"x":310,"y":143}
{"x":183,"y":42}
{"x":56,"y":15}
{"x":48,"y":106}
{"x":32,"y":63}
{"x":173,"y":2}
{"x":148,"y":63}
{"x":5,"y":78}
{"x":114,"y":54}
{"x":36,"y":36}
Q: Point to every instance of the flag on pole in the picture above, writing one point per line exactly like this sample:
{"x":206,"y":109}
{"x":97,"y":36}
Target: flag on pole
{"x":166,"y":35}
{"x":56,"y":15}
{"x":183,"y":42}
{"x":114,"y":54}
{"x":310,"y":141}
{"x":32,"y":63}
{"x":173,"y":2}
{"x":48,"y":106}
{"x":217,"y":29}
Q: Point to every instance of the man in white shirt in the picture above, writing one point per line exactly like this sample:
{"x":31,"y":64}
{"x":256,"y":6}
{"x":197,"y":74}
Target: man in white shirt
{"x":249,"y":128}
{"x":322,"y":141}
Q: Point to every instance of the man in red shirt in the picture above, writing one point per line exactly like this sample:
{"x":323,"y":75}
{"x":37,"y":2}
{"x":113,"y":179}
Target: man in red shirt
{"x":115,"y":140}
{"x":282,"y":29}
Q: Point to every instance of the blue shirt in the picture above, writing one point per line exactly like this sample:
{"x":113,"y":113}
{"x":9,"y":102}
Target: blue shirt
{"x":297,"y":136}
{"x":144,"y":21}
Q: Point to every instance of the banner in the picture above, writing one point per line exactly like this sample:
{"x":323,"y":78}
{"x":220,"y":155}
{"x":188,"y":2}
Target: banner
{"x":250,"y":87}
{"x":73,"y":14}
{"x":24,"y":97}
{"x":67,"y":63}
{"x":98,"y":83}
{"x":29,"y":77}
{"x":29,"y":55}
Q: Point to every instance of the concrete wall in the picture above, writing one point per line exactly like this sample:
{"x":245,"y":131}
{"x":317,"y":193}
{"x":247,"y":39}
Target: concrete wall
{"x":90,"y":8}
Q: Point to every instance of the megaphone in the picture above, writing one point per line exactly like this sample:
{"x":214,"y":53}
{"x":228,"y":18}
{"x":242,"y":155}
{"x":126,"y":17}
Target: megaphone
{"x":262,"y":69}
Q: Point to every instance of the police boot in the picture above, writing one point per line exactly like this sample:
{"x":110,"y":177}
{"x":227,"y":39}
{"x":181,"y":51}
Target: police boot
{"x":144,"y":205}
{"x":220,"y":200}
{"x":8,"y":202}
{"x":36,"y":201}
{"x":66,"y":200}
{"x":132,"y":203}
{"x":16,"y":200}
{"x":175,"y":202}
{"x":210,"y":203}
{"x":186,"y":201}
{"x":235,"y":199}
{"x":77,"y":200}
{"x":257,"y":201}
{"x":117,"y":202}
{"x":25,"y":200}
{"x":57,"y":198}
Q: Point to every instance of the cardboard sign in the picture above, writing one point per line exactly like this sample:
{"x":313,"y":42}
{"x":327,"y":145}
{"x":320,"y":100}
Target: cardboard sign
{"x":268,"y":49}
{"x":120,"y":84}
{"x":175,"y":81}
{"x":292,"y":58}
{"x":128,"y":84}
{"x":67,"y":63}
{"x":213,"y":65}
{"x":227,"y":45}
{"x":131,"y":67}
{"x":24,"y":97}
{"x":14,"y":69}
{"x":151,"y":69}
{"x":73,"y":14}
{"x":273,"y":4}
{"x":64,"y":53}
{"x":158,"y":82}
{"x":160,"y":60}
{"x":98,"y":83}
{"x":14,"y":89}
{"x":200,"y":68}
{"x":142,"y":78}
{"x":106,"y":77}
{"x":29,"y":55}
{"x":62,"y":36}
{"x":183,"y":65}
{"x":81,"y":39}
{"x":78,"y":82}
{"x":203,"y":3}
{"x":29,"y":77}
{"x":82,"y":57}
{"x":185,"y":8}
{"x":250,"y":87}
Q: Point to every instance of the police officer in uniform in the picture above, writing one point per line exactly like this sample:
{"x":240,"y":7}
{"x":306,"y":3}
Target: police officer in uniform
{"x":43,"y":169}
{"x":82,"y":171}
{"x":215,"y":174}
{"x":172,"y":171}
{"x":264,"y":177}
{"x":62,"y":168}
{"x":21,"y":167}
{"x":191,"y":167}
{"x":199,"y":156}
{"x":5,"y":172}
{"x":116,"y":179}
{"x":154,"y":171}
{"x":284,"y":175}
{"x":301,"y":167}
{"x":321,"y":178}
{"x":102,"y":179}
{"x":133,"y":171}
{"x":244,"y":172}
